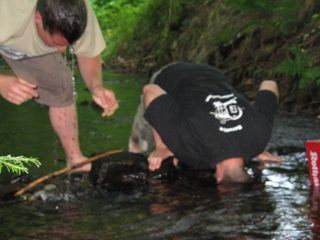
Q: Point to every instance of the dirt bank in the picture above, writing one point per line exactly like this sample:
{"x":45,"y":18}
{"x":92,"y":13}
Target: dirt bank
{"x":248,"y":44}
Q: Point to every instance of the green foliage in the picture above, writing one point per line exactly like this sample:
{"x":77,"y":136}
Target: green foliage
{"x":300,"y":66}
{"x":123,"y":21}
{"x":280,"y":15}
{"x":17,"y":165}
{"x":156,"y":21}
{"x":263,"y":6}
{"x":117,"y":20}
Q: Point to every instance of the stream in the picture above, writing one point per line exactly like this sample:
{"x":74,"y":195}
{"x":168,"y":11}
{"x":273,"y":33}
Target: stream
{"x":279,"y":204}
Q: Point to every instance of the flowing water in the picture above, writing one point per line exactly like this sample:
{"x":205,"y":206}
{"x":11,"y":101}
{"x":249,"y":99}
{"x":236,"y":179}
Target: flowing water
{"x":277,"y":205}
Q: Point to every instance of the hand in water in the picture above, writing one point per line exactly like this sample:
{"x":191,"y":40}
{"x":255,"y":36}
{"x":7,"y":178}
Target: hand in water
{"x":158,"y":156}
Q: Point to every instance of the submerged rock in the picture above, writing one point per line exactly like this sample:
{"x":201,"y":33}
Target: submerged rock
{"x":118,"y":172}
{"x":123,"y":172}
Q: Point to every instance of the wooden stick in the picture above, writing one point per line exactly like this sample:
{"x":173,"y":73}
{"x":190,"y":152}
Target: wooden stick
{"x":64,"y":171}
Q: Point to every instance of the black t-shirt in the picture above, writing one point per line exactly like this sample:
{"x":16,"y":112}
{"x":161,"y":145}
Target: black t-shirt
{"x":203,"y":120}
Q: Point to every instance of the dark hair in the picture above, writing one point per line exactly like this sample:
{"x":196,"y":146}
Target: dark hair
{"x":66,"y":17}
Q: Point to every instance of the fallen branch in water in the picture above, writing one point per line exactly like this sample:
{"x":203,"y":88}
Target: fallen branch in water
{"x":64,"y":171}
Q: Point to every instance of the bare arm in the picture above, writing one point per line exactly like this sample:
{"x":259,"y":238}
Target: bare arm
{"x":91,"y":72}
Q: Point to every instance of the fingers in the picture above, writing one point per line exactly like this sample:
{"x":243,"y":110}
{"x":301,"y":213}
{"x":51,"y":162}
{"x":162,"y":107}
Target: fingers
{"x":28,"y":89}
{"x":154,"y":163}
{"x":274,"y":158}
{"x":107,"y":100}
{"x":17,"y":99}
{"x":23,"y":92}
{"x":111,"y":110}
{"x":158,"y":155}
{"x":175,"y":162}
{"x":18,"y":91}
{"x":27,"y":84}
{"x":267,"y":156}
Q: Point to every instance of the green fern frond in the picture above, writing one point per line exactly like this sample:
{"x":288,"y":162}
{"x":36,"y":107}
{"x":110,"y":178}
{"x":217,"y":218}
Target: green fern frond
{"x":17,"y":165}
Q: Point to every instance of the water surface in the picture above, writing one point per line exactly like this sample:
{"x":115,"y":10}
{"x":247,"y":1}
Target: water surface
{"x":278,"y":205}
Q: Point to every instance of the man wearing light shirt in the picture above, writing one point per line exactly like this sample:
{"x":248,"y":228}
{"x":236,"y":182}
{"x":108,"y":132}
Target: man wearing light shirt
{"x":33,"y":35}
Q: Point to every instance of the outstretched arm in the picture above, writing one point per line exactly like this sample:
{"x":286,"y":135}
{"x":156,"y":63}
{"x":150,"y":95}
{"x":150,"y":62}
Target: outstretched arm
{"x":91,"y":72}
{"x":161,"y":151}
{"x":272,"y":86}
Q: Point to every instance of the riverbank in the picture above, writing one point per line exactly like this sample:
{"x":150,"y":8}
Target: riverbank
{"x":248,"y":41}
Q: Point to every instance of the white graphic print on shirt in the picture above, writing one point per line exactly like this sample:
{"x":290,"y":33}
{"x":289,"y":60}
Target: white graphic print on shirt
{"x":226,"y":109}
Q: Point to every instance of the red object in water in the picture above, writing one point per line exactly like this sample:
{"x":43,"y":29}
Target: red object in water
{"x":313,"y":155}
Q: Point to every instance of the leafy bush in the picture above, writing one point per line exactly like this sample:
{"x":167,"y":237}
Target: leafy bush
{"x":117,"y":19}
{"x":123,"y":21}
{"x":280,"y":15}
{"x":300,"y":66}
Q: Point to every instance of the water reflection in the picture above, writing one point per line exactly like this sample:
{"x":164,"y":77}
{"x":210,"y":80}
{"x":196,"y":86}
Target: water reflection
{"x":278,"y":204}
{"x":187,"y":207}
{"x":229,"y":212}
{"x":314,"y":212}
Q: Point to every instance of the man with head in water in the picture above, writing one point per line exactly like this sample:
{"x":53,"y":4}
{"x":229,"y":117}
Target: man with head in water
{"x":195,"y":116}
{"x":33,"y":35}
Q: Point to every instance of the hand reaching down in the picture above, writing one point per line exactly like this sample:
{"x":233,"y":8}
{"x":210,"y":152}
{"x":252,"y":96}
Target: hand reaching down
{"x":106,"y":99}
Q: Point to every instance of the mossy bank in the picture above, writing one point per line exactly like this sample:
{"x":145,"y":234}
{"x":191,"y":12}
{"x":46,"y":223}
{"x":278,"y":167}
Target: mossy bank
{"x":249,"y":40}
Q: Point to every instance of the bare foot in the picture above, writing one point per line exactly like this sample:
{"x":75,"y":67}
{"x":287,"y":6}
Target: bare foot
{"x":268,"y":157}
{"x":84,"y":168}
{"x":157,"y":156}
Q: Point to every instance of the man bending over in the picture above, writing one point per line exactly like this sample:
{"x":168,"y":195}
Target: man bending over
{"x":33,"y":35}
{"x":199,"y":119}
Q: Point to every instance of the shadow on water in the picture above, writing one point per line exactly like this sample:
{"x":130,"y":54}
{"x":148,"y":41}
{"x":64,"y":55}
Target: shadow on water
{"x":122,"y":200}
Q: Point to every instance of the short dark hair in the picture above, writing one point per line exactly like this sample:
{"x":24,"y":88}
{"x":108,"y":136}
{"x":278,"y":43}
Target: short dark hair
{"x":66,"y":17}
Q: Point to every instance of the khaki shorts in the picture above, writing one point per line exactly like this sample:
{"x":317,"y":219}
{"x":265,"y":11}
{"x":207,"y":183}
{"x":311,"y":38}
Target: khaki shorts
{"x":52,"y":76}
{"x":141,"y":133}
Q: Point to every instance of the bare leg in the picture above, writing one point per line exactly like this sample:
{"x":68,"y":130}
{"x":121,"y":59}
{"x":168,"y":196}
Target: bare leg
{"x":65,"y":123}
{"x":161,"y":151}
{"x":271,"y":86}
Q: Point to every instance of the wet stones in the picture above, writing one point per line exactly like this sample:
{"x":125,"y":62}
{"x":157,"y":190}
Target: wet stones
{"x":120,"y":172}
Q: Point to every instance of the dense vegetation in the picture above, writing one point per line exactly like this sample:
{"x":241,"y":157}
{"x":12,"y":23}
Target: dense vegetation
{"x":249,"y":40}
